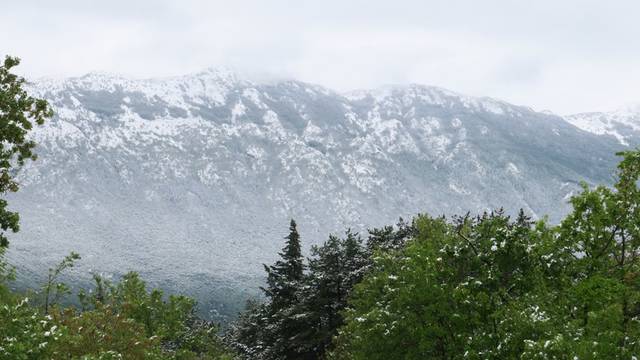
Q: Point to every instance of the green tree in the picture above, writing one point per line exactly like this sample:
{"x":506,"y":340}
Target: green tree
{"x":246,"y":333}
{"x":442,"y":295}
{"x":284,"y":280}
{"x":304,"y":326}
{"x":7,"y":274}
{"x":601,"y":303}
{"x":356,"y":261}
{"x":53,"y":290}
{"x":334,"y":268}
{"x":323,"y":292}
{"x":492,"y":288}
{"x":25,"y":333}
{"x":126,"y":319}
{"x":284,"y":277}
{"x":18,"y":111}
{"x":278,"y":327}
{"x":390,"y":238}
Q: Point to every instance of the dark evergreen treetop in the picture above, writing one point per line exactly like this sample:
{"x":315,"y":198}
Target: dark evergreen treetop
{"x":284,"y":277}
{"x":292,"y":254}
{"x":390,"y":238}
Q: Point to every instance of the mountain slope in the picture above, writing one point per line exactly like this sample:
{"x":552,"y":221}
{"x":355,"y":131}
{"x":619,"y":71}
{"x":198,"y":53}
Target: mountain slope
{"x":191,"y":180}
{"x":623,"y":124}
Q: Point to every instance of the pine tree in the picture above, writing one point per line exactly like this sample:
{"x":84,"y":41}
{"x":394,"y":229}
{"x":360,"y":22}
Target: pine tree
{"x":284,"y":277}
{"x":380,"y":239}
{"x":246,"y":333}
{"x":335,"y":267}
{"x":390,"y":238}
{"x":284,"y":281}
{"x":304,"y":310}
{"x":355,"y":263}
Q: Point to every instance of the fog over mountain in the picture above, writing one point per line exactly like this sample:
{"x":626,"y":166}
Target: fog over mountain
{"x":192,"y":180}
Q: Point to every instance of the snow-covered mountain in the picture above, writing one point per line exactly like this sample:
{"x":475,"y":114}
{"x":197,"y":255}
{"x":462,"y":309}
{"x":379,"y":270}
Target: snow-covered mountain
{"x":191,"y":180}
{"x":623,"y":124}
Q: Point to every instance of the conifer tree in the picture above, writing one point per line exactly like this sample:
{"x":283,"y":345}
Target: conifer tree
{"x":327,"y":281}
{"x":334,"y":268}
{"x":284,"y":281}
{"x":246,"y":334}
{"x":355,"y":260}
{"x":284,"y":277}
{"x":390,"y":238}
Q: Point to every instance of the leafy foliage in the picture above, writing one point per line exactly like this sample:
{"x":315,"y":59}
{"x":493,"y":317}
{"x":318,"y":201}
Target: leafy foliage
{"x":493,"y":288}
{"x":18,"y":111}
{"x":134,"y":318}
{"x":7,"y":274}
{"x":53,"y":291}
{"x":25,"y":333}
{"x":124,"y":320}
{"x":104,"y":332}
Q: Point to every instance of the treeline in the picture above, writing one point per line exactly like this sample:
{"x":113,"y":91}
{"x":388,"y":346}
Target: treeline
{"x":467,"y":287}
{"x":305,"y":300}
{"x":483,"y":287}
{"x":492,"y":288}
{"x":122,"y":320}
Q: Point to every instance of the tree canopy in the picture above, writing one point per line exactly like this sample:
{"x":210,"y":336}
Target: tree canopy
{"x":18,"y":112}
{"x":494,"y":288}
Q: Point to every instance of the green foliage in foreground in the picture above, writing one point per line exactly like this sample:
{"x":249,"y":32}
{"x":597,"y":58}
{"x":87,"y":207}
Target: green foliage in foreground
{"x":493,"y":288}
{"x":118,"y":321}
{"x":18,"y":112}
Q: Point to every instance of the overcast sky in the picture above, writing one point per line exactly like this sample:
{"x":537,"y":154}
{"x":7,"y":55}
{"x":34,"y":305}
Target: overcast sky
{"x":562,"y":55}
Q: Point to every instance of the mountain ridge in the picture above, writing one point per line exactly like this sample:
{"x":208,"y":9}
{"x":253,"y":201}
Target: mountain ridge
{"x":192,"y":180}
{"x":623,"y":123}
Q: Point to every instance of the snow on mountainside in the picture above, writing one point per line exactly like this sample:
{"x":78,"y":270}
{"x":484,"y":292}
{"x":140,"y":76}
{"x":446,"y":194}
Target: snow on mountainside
{"x":623,"y":124}
{"x":191,"y":180}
